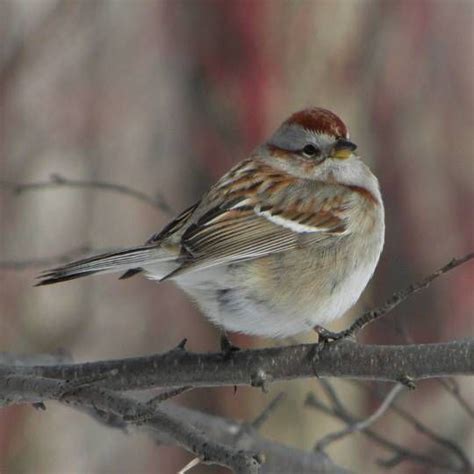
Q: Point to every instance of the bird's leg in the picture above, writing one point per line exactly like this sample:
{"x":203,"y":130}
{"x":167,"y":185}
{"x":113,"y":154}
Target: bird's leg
{"x":324,"y":335}
{"x":324,"y":338}
{"x":227,"y":347}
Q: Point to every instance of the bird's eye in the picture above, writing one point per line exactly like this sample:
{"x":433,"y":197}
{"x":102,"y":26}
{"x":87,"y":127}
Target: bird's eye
{"x":311,"y":151}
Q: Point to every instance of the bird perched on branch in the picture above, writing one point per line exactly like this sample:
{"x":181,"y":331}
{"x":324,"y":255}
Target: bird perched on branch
{"x":285,"y":241}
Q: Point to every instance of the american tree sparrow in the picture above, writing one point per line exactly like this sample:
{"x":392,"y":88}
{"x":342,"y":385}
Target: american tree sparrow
{"x":286,"y":240}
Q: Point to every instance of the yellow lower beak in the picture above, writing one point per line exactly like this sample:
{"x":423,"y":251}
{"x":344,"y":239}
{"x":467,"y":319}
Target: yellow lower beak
{"x":341,"y":154}
{"x":343,"y":149}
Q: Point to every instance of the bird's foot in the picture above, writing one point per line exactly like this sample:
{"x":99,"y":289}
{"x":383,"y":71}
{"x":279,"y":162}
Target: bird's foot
{"x":227,"y":348}
{"x":326,"y":336}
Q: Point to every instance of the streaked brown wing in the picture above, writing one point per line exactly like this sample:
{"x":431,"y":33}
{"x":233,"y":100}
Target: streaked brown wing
{"x":247,"y":222}
{"x":235,"y":236}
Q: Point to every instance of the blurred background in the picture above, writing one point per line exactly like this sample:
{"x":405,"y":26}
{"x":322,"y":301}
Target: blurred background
{"x":164,"y":96}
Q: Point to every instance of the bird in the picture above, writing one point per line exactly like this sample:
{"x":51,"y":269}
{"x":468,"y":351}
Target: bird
{"x":283,"y":243}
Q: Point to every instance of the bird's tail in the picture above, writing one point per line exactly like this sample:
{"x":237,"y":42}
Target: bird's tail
{"x":129,"y":260}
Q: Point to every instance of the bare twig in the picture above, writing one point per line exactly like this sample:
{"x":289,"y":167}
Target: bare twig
{"x":58,"y":181}
{"x":405,"y":415}
{"x":269,"y":409}
{"x":361,"y":425}
{"x":155,"y":401}
{"x":401,"y":453}
{"x":332,"y":395}
{"x":453,"y":388}
{"x":166,"y":395}
{"x":397,"y":298}
{"x":191,"y":464}
{"x":430,"y":434}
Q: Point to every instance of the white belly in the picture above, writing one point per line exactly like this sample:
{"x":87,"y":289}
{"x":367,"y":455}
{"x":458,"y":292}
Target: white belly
{"x":230,"y":296}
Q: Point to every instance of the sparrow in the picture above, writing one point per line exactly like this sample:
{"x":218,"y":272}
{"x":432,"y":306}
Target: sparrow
{"x":285,"y":241}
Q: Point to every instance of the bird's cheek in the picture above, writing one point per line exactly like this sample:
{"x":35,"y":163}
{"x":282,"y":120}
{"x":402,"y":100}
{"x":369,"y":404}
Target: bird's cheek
{"x":309,"y":167}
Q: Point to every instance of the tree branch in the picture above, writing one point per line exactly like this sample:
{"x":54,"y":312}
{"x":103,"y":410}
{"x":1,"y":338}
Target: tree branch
{"x":422,"y":428}
{"x":225,"y":442}
{"x":279,"y":459}
{"x":452,"y":387}
{"x":133,"y":411}
{"x":247,"y":367}
{"x":58,"y":181}
{"x":397,"y":298}
{"x":182,"y":433}
{"x":361,"y":425}
{"x":401,"y":453}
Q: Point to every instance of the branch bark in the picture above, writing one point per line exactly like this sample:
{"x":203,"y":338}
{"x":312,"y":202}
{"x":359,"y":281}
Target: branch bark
{"x":344,"y":358}
{"x":212,"y":439}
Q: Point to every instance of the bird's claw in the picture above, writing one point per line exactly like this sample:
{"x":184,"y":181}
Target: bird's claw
{"x":227,"y":348}
{"x":326,"y":336}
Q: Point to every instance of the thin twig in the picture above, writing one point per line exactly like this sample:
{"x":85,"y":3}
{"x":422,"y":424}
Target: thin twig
{"x":166,"y":395}
{"x":58,"y":181}
{"x":397,"y":298}
{"x":191,"y":464}
{"x":453,"y":388}
{"x":436,"y":438}
{"x":154,"y":402}
{"x":361,"y":425}
{"x":423,"y":429}
{"x":332,"y":395}
{"x":258,"y":422}
{"x":401,"y":453}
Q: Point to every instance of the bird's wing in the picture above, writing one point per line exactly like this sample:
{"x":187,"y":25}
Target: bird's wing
{"x":167,"y":237}
{"x":174,"y":227}
{"x":255,"y":211}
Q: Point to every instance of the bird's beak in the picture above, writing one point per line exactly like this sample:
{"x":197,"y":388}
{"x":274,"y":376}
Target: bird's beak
{"x":342,"y":149}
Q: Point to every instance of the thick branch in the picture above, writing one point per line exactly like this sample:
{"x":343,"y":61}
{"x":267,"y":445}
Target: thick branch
{"x":179,"y":431}
{"x":278,"y":457}
{"x":173,"y":429}
{"x":256,"y":367}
